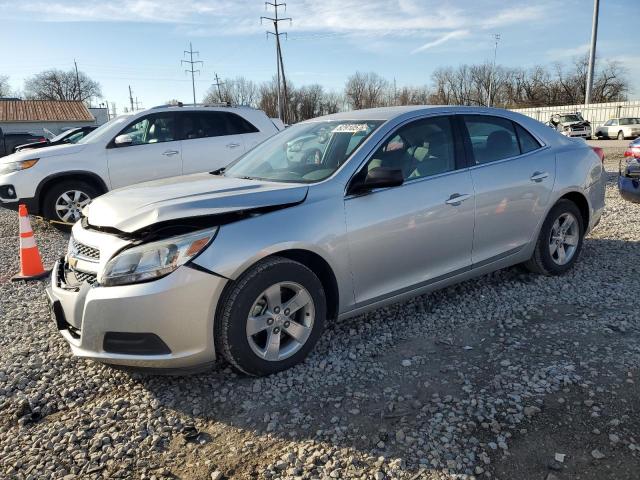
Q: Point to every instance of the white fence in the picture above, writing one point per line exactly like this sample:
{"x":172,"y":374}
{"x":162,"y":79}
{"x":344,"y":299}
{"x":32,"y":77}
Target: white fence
{"x":596,"y":113}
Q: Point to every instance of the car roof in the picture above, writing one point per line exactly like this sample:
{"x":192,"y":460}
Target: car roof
{"x":388,"y":113}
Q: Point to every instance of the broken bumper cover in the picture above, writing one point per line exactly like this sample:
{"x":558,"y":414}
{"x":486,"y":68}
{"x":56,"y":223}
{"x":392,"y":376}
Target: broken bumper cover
{"x":162,"y":324}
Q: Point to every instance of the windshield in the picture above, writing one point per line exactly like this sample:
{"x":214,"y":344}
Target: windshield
{"x":60,"y":136}
{"x":570,"y":118}
{"x":103,"y":130}
{"x":303,"y":153}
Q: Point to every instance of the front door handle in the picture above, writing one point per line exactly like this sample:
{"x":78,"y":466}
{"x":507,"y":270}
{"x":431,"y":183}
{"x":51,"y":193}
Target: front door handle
{"x":169,"y":153}
{"x":538,"y":176}
{"x":457,"y":198}
{"x":233,"y":145}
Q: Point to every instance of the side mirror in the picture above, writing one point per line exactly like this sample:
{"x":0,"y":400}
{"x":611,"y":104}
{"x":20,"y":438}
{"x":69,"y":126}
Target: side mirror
{"x":379,"y":177}
{"x":123,"y":140}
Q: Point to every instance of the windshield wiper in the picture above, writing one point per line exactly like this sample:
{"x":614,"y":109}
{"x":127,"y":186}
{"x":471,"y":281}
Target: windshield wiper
{"x":219,"y":171}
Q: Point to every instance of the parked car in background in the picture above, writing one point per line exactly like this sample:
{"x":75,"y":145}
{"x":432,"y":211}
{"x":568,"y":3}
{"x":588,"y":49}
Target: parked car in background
{"x":629,"y":173}
{"x":56,"y":182}
{"x":571,"y":124}
{"x":250,"y":262}
{"x":620,"y":128}
{"x":9,"y":141}
{"x":73,"y":135}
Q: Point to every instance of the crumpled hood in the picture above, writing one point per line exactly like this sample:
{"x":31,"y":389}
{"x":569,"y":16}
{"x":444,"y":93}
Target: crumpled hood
{"x":132,"y":208}
{"x":45,"y":152}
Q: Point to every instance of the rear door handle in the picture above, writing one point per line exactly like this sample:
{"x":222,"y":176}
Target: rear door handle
{"x":538,"y":176}
{"x":457,"y":198}
{"x":169,"y":153}
{"x":233,"y":145}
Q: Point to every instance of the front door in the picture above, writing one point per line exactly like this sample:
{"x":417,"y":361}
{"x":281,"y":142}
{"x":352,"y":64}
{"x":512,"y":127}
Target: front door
{"x":407,"y":236}
{"x":513,"y":177}
{"x":154,"y":151}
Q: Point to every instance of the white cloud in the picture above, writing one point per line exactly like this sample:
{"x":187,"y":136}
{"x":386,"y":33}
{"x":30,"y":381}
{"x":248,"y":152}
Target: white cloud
{"x":442,"y":39}
{"x":401,"y":18}
{"x":564,"y":53}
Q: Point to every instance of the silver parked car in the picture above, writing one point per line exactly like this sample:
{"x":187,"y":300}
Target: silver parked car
{"x":620,"y":128}
{"x":250,"y":262}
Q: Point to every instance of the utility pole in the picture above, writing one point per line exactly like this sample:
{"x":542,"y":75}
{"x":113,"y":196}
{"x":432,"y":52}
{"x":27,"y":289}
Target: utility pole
{"x":131,"y":98}
{"x":592,"y":52}
{"x":77,"y":80}
{"x":217,"y":84}
{"x":191,"y":70}
{"x":496,"y":37}
{"x":282,"y":105}
{"x":138,"y":105}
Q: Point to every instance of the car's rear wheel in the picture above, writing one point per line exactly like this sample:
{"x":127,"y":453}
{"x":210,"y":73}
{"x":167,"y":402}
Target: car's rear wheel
{"x":620,"y":135}
{"x":271,"y":317}
{"x":560,"y":240}
{"x":65,"y":200}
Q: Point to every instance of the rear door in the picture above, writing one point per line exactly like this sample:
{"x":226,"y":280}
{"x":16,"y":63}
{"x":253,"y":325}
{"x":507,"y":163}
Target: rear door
{"x":155,"y":151}
{"x":211,"y":140}
{"x":513,"y":177}
{"x":421,"y":231}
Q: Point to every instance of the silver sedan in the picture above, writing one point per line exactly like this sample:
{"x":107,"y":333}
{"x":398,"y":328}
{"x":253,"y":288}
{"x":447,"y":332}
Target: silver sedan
{"x":251,"y":262}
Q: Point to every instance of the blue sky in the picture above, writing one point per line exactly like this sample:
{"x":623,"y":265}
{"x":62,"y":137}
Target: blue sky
{"x":140,"y":42}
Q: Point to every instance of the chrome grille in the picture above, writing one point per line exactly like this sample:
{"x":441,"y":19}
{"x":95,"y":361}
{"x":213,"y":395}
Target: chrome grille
{"x":85,"y":251}
{"x":84,"y":276}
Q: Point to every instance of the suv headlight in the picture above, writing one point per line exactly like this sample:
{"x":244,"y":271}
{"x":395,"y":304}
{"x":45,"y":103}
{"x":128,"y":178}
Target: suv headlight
{"x":154,"y":260}
{"x":10,"y":167}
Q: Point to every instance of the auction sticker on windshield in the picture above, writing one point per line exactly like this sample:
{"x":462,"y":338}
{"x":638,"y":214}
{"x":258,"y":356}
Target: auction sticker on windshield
{"x":351,"y":128}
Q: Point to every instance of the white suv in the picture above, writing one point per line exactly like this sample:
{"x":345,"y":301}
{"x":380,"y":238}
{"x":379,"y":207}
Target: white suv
{"x":56,"y":182}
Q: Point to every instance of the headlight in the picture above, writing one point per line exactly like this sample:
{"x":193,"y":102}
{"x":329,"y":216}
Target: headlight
{"x":10,"y":167}
{"x":154,"y":260}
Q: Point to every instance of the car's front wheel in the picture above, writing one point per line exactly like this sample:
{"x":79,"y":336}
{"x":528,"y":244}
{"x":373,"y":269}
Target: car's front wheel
{"x":271,"y":317}
{"x":560,"y":240}
{"x":65,"y":200}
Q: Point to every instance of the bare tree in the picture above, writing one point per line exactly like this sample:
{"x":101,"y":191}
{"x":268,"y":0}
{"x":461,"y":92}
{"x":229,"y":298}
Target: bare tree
{"x":236,"y":91}
{"x":60,"y":85}
{"x":5,"y":88}
{"x":366,"y":90}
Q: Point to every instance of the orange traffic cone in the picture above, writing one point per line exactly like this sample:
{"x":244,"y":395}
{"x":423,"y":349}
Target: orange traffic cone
{"x":30,"y":263}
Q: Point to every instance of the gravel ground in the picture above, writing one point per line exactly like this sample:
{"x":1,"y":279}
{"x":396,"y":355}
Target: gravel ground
{"x":507,"y":376}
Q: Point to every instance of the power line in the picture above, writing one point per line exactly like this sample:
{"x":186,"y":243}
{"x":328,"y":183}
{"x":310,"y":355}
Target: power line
{"x":191,"y":70}
{"x":217,"y":84}
{"x":592,"y":51}
{"x":282,"y":105}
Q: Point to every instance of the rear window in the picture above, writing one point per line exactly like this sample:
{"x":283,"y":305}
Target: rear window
{"x":526,"y":140}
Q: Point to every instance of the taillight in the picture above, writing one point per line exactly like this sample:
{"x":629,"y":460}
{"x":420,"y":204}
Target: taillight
{"x":632,"y":152}
{"x":600,"y":152}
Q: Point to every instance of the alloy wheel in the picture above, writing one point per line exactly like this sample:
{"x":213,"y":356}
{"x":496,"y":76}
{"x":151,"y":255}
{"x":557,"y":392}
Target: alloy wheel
{"x":280,"y":321}
{"x":69,"y":205}
{"x":564,"y":238}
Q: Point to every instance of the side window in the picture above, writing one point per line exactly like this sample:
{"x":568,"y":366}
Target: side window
{"x":492,"y":138}
{"x":237,"y":124}
{"x":527,"y":142}
{"x":420,"y":149}
{"x":155,"y":128}
{"x":214,"y":124}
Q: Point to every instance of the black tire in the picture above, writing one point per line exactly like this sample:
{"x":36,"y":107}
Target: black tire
{"x":541,"y":261}
{"x":48,"y":206}
{"x":620,"y":135}
{"x":231,"y":321}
